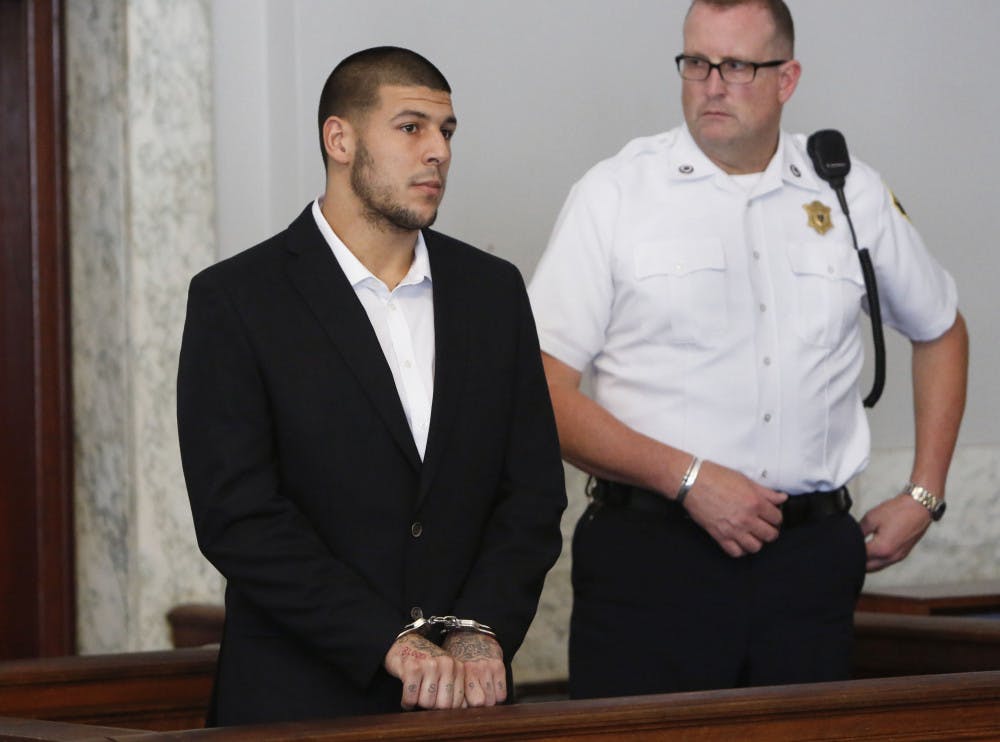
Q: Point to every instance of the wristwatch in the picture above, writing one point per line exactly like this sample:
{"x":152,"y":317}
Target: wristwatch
{"x":922,"y":495}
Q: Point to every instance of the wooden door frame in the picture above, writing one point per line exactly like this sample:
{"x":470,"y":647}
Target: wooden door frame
{"x":37,"y":564}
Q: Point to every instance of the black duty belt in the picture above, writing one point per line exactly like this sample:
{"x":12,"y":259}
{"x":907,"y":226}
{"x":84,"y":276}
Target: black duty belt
{"x":797,"y":509}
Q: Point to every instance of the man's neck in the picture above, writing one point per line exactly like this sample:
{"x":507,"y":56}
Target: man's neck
{"x":384,"y":250}
{"x":737,"y":164}
{"x":739,"y":159}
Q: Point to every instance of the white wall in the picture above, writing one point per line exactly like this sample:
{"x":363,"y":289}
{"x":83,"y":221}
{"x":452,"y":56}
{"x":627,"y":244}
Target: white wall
{"x":545,"y":88}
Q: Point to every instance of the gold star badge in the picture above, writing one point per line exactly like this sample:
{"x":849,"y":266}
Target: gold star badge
{"x":819,"y":216}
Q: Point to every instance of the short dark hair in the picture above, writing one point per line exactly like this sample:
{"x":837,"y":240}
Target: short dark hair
{"x":352,"y":88}
{"x":780,"y":14}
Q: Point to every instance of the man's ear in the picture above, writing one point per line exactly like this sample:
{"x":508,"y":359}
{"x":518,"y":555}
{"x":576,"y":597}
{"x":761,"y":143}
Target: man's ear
{"x":338,"y":140}
{"x":788,"y":80}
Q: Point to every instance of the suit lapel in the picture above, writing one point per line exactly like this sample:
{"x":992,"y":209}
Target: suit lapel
{"x":314,"y":272}
{"x":451,"y":348}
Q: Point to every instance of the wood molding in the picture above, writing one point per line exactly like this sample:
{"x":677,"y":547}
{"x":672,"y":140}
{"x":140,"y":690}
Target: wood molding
{"x":36,"y":441}
{"x":144,"y":690}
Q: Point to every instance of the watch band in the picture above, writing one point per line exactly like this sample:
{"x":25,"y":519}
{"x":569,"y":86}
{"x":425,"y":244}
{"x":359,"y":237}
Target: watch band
{"x":424,"y":626}
{"x":924,"y":496}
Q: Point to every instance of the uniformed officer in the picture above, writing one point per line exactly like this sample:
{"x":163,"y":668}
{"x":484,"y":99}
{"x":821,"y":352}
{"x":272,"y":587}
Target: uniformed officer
{"x":707,"y":278}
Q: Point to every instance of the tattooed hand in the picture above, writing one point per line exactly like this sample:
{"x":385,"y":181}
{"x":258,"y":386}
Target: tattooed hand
{"x":432,"y":678}
{"x":482,"y":658}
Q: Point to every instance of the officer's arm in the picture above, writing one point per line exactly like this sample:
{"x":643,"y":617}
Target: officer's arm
{"x":739,"y":514}
{"x":940,"y":373}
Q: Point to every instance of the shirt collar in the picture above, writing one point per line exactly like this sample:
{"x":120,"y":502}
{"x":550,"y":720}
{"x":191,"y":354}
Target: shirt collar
{"x":356,"y":272}
{"x":792,"y":162}
{"x":686,"y":161}
{"x":789,"y":165}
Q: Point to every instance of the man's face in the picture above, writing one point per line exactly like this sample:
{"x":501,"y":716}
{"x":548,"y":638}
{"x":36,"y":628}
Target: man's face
{"x":736,"y":125}
{"x":401,"y":161}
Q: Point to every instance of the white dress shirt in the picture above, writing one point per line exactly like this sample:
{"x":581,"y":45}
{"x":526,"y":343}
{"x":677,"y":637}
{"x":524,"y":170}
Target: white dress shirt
{"x":717,"y":319}
{"x":403,"y":320}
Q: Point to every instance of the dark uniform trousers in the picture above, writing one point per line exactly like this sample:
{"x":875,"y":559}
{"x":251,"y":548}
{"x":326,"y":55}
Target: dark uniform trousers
{"x":659,"y":607}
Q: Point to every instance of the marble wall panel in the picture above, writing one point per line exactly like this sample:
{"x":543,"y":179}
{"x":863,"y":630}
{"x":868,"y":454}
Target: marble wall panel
{"x":171,"y":237}
{"x":95,"y":44}
{"x":141,"y":223}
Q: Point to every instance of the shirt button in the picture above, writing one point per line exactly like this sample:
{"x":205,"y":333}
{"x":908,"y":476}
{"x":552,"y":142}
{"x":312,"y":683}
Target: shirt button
{"x":756,"y":255}
{"x":391,"y":306}
{"x":763,"y":307}
{"x":416,"y":612}
{"x":763,"y":474}
{"x":767,"y":417}
{"x":416,"y":529}
{"x":407,"y":364}
{"x":767,"y":360}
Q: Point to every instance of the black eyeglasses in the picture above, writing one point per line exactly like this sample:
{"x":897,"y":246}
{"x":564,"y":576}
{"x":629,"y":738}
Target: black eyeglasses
{"x":734,"y":71}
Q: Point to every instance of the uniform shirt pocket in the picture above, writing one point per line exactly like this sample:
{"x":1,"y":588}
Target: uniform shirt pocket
{"x":683,"y":282}
{"x":829,"y":288}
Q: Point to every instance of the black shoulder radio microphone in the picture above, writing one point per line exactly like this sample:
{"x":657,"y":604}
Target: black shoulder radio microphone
{"x":828,"y":152}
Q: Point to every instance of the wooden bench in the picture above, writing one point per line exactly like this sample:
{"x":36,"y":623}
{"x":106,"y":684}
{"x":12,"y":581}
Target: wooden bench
{"x":145,"y":690}
{"x":889,"y":645}
{"x":969,"y":598}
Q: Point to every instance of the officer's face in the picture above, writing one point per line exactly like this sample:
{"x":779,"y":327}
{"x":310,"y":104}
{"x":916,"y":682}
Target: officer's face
{"x":736,"y":125}
{"x":402,"y":155}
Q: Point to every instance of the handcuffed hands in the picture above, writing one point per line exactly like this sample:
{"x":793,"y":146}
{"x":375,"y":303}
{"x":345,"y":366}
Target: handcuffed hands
{"x":467,"y":670}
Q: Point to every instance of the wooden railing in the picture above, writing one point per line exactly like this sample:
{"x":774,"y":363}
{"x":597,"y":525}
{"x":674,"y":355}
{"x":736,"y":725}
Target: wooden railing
{"x":933,"y":707}
{"x":170,"y":690}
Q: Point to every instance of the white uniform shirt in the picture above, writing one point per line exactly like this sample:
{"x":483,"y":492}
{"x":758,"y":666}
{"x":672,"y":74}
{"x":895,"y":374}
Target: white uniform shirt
{"x":403,"y":320}
{"x":717,"y":320}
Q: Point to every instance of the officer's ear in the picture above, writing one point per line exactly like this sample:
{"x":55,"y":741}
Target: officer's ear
{"x":788,"y":79}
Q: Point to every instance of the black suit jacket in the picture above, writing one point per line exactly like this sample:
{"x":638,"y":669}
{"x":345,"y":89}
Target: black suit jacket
{"x":307,"y":490}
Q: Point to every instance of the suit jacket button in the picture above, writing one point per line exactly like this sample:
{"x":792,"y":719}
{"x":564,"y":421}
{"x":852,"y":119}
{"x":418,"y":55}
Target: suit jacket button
{"x":416,"y":529}
{"x":416,"y":612}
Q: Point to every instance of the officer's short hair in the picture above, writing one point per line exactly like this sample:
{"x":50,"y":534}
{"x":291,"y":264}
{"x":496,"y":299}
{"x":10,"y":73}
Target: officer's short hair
{"x":779,"y":11}
{"x":352,"y":88}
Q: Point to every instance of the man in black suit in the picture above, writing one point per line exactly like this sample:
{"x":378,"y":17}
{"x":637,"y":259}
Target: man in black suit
{"x":366,"y":431}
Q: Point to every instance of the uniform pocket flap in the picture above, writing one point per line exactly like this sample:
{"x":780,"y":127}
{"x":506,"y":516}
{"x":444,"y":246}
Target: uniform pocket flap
{"x":678,"y":257}
{"x":829,"y":260}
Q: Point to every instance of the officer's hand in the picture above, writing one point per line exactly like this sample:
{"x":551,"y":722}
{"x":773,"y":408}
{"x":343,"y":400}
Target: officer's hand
{"x":739,"y":514}
{"x":482,"y":659}
{"x":895,"y":526}
{"x":432,"y":678}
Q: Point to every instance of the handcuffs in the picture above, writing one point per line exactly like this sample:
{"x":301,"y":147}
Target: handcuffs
{"x":424,"y":626}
